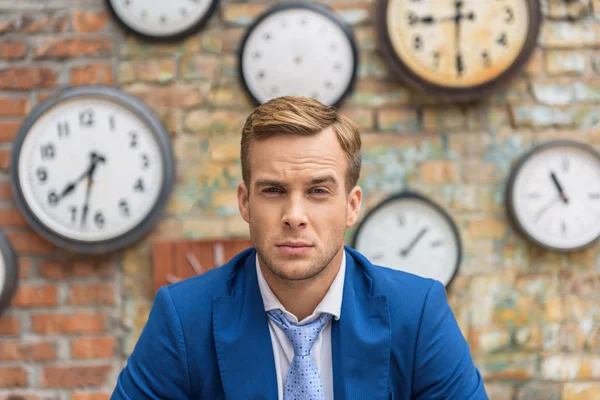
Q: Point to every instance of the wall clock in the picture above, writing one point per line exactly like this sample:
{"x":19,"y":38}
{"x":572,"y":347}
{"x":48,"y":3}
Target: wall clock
{"x":458,"y":50}
{"x":9,"y":272}
{"x":553,"y":195}
{"x":162,"y":20}
{"x":92,"y":169}
{"x":300,"y":49}
{"x":410,"y":232}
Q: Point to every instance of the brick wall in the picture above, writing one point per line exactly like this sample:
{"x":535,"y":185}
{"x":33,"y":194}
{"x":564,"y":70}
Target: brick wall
{"x":530,"y":316}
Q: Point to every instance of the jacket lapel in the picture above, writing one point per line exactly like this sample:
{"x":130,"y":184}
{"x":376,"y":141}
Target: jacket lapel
{"x":242,"y":339}
{"x":361,"y":339}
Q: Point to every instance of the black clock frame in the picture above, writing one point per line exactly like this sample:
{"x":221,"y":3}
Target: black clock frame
{"x":9,"y":288}
{"x":309,"y":6}
{"x":449,"y":93}
{"x":142,"y":111}
{"x":163,"y":38}
{"x":514,"y":173}
{"x":409,"y":194}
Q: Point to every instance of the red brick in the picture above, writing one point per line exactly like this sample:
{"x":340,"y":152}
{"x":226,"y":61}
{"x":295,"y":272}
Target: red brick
{"x":81,"y":322}
{"x":35,"y":23}
{"x":85,"y":22}
{"x":92,"y":294}
{"x":25,"y":268}
{"x":73,"y":377}
{"x":93,"y":74}
{"x":11,"y":217}
{"x":13,"y":50}
{"x":29,"y":242}
{"x":12,"y":377}
{"x":28,"y":78}
{"x":35,"y":296}
{"x":4,"y":159}
{"x":103,"y":347}
{"x":68,"y":269}
{"x":72,"y":48}
{"x":90,"y":396}
{"x":13,"y":106}
{"x":16,"y":351}
{"x":20,"y":396}
{"x":5,"y":191}
{"x":9,"y":326}
{"x":8,"y":130}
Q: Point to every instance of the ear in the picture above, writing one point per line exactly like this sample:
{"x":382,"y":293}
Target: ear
{"x":354,"y":203}
{"x":243,"y":198}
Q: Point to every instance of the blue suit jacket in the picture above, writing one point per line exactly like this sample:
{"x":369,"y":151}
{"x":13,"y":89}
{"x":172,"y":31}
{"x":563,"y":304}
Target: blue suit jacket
{"x":207,"y":338}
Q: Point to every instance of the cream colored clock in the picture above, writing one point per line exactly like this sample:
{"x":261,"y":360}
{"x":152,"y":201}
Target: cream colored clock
{"x":458,"y":49}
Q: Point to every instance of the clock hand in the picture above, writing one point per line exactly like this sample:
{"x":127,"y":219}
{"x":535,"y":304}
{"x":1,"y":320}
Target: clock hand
{"x":548,"y":206}
{"x":412,"y":244}
{"x":90,"y":178}
{"x":561,"y":192}
{"x":94,"y":158}
{"x":457,"y":20}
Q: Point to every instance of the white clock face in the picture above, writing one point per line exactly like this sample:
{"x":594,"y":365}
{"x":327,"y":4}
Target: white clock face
{"x":298,"y":52}
{"x":458,"y":43}
{"x":90,"y":169}
{"x":161,"y":18}
{"x":555,"y":196}
{"x":411,"y":235}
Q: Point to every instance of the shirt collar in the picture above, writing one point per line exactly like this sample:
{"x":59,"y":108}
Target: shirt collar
{"x":331,"y":303}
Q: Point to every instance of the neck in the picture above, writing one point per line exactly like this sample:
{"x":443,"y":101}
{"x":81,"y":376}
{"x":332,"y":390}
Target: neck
{"x":302,"y":297}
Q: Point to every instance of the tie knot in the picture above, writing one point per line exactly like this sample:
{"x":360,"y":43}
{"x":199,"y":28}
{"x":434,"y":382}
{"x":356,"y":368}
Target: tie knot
{"x":302,"y":336}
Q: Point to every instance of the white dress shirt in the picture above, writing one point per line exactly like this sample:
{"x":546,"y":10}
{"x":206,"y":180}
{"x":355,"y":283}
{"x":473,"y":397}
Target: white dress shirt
{"x":321,"y":350}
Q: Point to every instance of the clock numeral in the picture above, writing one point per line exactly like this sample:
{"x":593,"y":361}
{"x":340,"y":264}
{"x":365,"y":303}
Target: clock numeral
{"x":163,"y":19}
{"x":52,"y":198}
{"x":437,"y":243}
{"x":502,"y":39}
{"x":565,"y":164}
{"x":48,"y":151}
{"x":401,"y":220}
{"x":73,"y":211}
{"x":533,"y":195}
{"x":86,"y":118}
{"x":99,"y":219}
{"x":436,"y":59}
{"x":595,"y":196}
{"x":133,"y":142}
{"x":124,"y":207}
{"x":563,"y":228}
{"x":145,"y":161}
{"x":412,"y":18}
{"x":42,"y":174}
{"x":418,"y":42}
{"x":510,"y":16}
{"x":63,"y":129}
{"x":460,"y":67}
{"x":377,"y":256}
{"x":112,"y":123}
{"x":139,"y":185}
{"x":127,"y":2}
{"x":487,"y":62}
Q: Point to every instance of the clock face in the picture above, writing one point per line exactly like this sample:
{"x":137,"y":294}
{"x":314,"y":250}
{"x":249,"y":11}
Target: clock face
{"x":89,"y":169}
{"x":162,"y":19}
{"x":8,"y":272}
{"x":298,"y":50}
{"x":459,"y":44}
{"x":554,"y":195}
{"x":409,"y":232}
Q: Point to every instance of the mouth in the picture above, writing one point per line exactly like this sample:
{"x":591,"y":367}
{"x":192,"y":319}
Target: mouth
{"x":294,"y":247}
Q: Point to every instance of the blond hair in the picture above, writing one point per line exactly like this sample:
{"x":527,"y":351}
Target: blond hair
{"x":303,"y":116}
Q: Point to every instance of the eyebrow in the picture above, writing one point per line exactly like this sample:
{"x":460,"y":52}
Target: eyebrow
{"x":316,"y":181}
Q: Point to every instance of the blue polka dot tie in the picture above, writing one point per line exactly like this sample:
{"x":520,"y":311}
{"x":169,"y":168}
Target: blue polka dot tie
{"x":303,"y":381}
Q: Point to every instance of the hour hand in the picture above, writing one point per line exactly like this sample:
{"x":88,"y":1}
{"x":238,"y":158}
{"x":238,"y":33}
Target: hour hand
{"x":559,"y":187}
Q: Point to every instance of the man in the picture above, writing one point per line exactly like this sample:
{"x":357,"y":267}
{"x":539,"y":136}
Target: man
{"x":299,"y":315}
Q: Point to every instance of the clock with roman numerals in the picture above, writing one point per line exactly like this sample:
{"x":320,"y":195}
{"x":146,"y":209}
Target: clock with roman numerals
{"x":553,"y":195}
{"x":92,"y":169}
{"x":167,"y":20}
{"x":298,"y":49}
{"x":410,"y":232}
{"x":458,"y":50}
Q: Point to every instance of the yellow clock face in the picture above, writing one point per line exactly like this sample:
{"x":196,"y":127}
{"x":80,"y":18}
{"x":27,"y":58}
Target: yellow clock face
{"x":458,"y":44}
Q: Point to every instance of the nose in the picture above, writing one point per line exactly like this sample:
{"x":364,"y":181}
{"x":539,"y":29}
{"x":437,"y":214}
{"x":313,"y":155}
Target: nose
{"x":295,"y":213}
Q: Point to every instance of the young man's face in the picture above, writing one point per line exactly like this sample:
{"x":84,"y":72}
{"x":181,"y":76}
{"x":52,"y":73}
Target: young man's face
{"x":296,"y":205}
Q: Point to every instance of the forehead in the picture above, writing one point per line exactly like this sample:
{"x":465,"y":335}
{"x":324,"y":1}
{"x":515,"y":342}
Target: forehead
{"x":295,"y":156}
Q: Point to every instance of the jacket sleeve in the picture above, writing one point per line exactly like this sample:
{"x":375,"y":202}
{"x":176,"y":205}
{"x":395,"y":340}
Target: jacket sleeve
{"x":157,"y":368}
{"x":444,"y":368}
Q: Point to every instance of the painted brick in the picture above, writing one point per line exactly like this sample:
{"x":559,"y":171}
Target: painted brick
{"x":565,"y":62}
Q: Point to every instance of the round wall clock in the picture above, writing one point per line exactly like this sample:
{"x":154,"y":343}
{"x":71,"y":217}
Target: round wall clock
{"x":8,"y":272}
{"x":458,"y":50}
{"x":411,"y":233}
{"x":553,"y":195}
{"x":92,"y":169}
{"x":162,"y":20}
{"x":298,"y":49}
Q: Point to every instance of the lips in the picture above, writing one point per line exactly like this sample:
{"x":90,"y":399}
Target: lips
{"x":293,"y":244}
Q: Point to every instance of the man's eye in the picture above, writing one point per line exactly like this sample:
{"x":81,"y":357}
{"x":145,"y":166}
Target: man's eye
{"x":320,"y":191}
{"x":271,"y":190}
